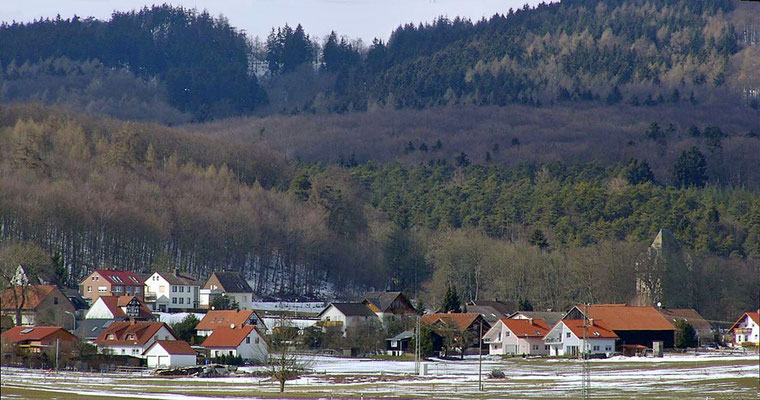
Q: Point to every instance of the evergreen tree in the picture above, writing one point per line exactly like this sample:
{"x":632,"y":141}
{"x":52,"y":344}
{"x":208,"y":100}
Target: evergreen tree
{"x":538,"y":239}
{"x":451,"y":301}
{"x":686,"y":336}
{"x":638,"y":172}
{"x":690,"y":169}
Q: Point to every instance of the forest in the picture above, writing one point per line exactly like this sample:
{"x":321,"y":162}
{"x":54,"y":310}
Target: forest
{"x":531,"y":156}
{"x":634,"y":52}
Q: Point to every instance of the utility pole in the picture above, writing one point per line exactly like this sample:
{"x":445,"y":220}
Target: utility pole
{"x":417,"y":350}
{"x":57,"y":341}
{"x":586,"y":379}
{"x":480,"y":358}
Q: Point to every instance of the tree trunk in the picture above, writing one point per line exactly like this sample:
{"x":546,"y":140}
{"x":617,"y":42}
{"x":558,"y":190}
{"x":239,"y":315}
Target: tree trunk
{"x":282,"y":385}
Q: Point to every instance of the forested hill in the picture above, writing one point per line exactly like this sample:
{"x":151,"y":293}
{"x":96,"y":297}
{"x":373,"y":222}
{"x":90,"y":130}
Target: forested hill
{"x":643,"y":53}
{"x":106,"y":193}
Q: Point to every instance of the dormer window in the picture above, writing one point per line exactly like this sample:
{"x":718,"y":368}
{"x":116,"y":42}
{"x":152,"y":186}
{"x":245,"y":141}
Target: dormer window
{"x":110,"y":336}
{"x":130,"y":337}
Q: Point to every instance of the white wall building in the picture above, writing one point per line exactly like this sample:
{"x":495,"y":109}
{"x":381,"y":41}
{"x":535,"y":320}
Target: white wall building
{"x":747,"y":328}
{"x":346,"y":315}
{"x":132,"y":338}
{"x":245,"y":341}
{"x":517,"y":337}
{"x":170,"y":292}
{"x":231,"y":284}
{"x":566,"y":338}
{"x":169,"y":353}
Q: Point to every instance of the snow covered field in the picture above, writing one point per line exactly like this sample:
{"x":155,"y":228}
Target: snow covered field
{"x":683,"y":376}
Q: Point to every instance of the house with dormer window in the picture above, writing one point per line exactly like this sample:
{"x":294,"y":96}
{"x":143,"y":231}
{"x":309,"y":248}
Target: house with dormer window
{"x":167,"y":292}
{"x":106,"y":282}
{"x":132,"y":338}
{"x":517,"y":337}
{"x":569,"y":337}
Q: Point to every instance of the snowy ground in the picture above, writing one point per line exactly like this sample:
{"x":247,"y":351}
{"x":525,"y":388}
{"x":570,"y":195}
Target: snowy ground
{"x":682,"y":376}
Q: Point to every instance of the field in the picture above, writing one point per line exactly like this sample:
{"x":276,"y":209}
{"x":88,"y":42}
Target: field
{"x":673,"y":377}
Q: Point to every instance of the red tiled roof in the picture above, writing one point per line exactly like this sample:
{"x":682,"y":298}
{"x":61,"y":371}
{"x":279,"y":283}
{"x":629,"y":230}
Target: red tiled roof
{"x":596,"y":330}
{"x":118,"y":277}
{"x":175,"y":347}
{"x":461,"y":320}
{"x":115,"y":304}
{"x":24,"y":333}
{"x":142,"y":332}
{"x":753,"y":315}
{"x":225,"y":336}
{"x":35,"y":294}
{"x":622,"y":317}
{"x":524,"y":327}
{"x":217,"y":318}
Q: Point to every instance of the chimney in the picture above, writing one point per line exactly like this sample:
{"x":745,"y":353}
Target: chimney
{"x":176,"y":271}
{"x":530,"y":321}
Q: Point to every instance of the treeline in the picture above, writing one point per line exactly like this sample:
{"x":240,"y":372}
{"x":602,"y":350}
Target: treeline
{"x":104,"y":193}
{"x":202,"y":61}
{"x":610,"y":52}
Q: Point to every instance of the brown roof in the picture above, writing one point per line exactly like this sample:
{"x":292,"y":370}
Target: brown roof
{"x":115,"y":304}
{"x":351,"y":309}
{"x":384,"y":300}
{"x":217,"y":318}
{"x":142,"y":332}
{"x":596,"y":330}
{"x":526,"y":327}
{"x":176,"y":347}
{"x":225,"y":336}
{"x":35,"y":294}
{"x":753,"y":315}
{"x":231,"y":282}
{"x":689,"y":315}
{"x":118,"y":277}
{"x":550,"y":317}
{"x":24,"y":333}
{"x":177,"y":278}
{"x":622,"y":317}
{"x":461,"y":320}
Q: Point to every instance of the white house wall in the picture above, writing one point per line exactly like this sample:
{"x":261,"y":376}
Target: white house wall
{"x":752,"y":337}
{"x":99,"y":310}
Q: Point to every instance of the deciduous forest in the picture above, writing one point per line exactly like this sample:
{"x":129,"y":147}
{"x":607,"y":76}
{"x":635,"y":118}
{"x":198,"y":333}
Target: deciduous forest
{"x":531,"y":157}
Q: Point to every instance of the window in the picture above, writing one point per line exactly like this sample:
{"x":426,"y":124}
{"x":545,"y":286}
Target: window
{"x":118,"y":289}
{"x":257,"y":340}
{"x":535,"y":347}
{"x":174,"y":289}
{"x":188,"y":300}
{"x":135,"y":351}
{"x":130,"y":337}
{"x":568,"y":334}
{"x":546,"y":347}
{"x":506,"y":334}
{"x":55,"y":300}
{"x":123,"y":351}
{"x":102,"y":289}
{"x":245,"y":299}
{"x":182,"y":289}
{"x":608,"y":348}
{"x":181,"y":300}
{"x":248,"y":340}
{"x":95,"y":278}
{"x":230,"y":352}
{"x":134,"y":279}
{"x":596,"y":348}
{"x":137,"y":290}
{"x":174,"y":300}
{"x":89,"y":289}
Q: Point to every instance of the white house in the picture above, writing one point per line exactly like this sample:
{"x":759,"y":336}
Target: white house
{"x":231,"y":284}
{"x":747,"y":329}
{"x":216,"y":318}
{"x":171,"y":292}
{"x":132,"y":338}
{"x":346,"y":315}
{"x":517,"y":336}
{"x":566,"y":338}
{"x":234,"y":340}
{"x":119,"y":308}
{"x":170,"y":353}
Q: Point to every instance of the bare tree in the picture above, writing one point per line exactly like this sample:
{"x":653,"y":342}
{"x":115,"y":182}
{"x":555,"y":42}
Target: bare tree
{"x":17,"y":291}
{"x":284,"y":362}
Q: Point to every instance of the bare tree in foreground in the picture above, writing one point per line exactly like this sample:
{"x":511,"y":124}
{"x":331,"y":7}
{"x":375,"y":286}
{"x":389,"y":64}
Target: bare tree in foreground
{"x":284,"y":362}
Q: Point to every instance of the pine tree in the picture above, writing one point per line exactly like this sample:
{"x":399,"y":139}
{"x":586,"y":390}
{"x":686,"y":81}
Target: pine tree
{"x":451,"y":301}
{"x":690,"y":169}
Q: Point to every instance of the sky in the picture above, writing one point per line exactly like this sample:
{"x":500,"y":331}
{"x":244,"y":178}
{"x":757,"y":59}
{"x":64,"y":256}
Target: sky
{"x":364,"y":19}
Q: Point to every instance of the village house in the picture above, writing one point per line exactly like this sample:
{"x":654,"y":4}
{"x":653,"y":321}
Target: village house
{"x":549,"y":317}
{"x":106,"y":282}
{"x":746,"y":330}
{"x":172,"y":292}
{"x":244,"y":341}
{"x":216,"y":318}
{"x":634,"y":325}
{"x":460,"y":331}
{"x":170,"y":353}
{"x":399,"y":344}
{"x":389,"y":305}
{"x":25,"y":276}
{"x":38,"y":305}
{"x":491,"y":310}
{"x":517,"y":337}
{"x":88,"y":330}
{"x":119,"y":308}
{"x":566,"y":338}
{"x":231,"y":284}
{"x":37,"y":339}
{"x":131,"y":337}
{"x":702,"y":328}
{"x":343,"y":316}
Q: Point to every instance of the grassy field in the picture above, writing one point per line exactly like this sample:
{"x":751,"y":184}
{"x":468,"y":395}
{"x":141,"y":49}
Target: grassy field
{"x":679,"y":377}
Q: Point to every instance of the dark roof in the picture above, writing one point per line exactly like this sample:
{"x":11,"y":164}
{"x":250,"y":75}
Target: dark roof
{"x":90,"y":329}
{"x":179,"y":279}
{"x":76,"y":299}
{"x":233,"y":282}
{"x":504,"y":307}
{"x":351,"y":309}
{"x":550,"y":317}
{"x":689,"y":315}
{"x":489,"y":313}
{"x":405,"y":335}
{"x":381,"y":300}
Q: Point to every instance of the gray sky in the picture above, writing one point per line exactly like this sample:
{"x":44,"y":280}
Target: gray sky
{"x":363,"y":19}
